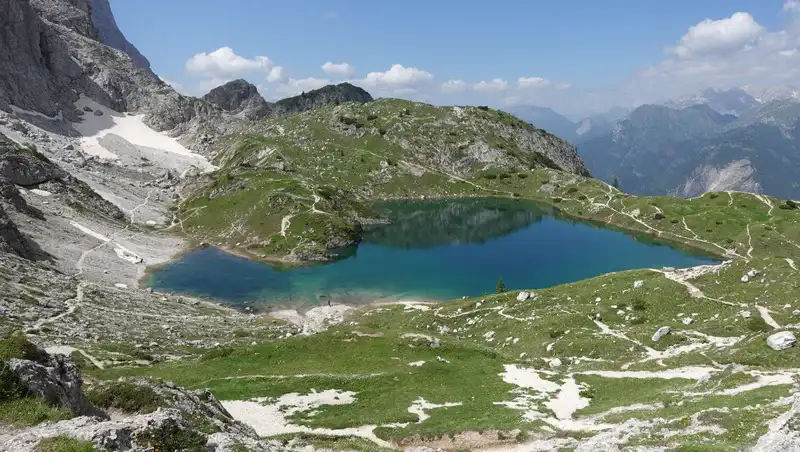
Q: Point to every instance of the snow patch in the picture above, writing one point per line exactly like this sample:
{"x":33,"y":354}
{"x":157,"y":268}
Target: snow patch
{"x":420,"y":406}
{"x":129,"y":127}
{"x":269,"y":417}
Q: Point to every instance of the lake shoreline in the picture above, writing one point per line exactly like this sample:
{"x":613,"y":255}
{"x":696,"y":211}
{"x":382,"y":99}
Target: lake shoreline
{"x":494,"y":222}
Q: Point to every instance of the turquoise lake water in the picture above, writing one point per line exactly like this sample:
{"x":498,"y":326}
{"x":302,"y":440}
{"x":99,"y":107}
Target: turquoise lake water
{"x":432,"y":250}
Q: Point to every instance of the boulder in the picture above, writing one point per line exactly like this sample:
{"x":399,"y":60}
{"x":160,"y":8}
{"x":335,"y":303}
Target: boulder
{"x":523,"y":296}
{"x":637,"y":284}
{"x":661,"y":332}
{"x":781,"y":341}
{"x":56,"y":379}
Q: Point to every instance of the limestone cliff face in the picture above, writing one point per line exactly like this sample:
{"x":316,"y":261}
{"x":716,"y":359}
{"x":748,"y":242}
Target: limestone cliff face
{"x":109,"y":33}
{"x":241,"y":98}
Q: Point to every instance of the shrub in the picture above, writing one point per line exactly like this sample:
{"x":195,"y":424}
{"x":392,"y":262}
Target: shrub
{"x":501,"y":287}
{"x":490,"y":176}
{"x":347,"y":120}
{"x":126,"y":396}
{"x":571,"y":190}
{"x":638,"y":320}
{"x":172,"y":438}
{"x":372,"y":117}
{"x":10,"y":386}
{"x":555,"y":334}
{"x":483,"y":107}
{"x":582,"y":197}
{"x":788,"y":205}
{"x":382,"y":132}
{"x":557,"y":200}
{"x":758,"y":325}
{"x":713,"y":195}
{"x":639,"y":305}
{"x":587,"y":392}
{"x":522,"y":175}
{"x":16,"y":345}
{"x":504,"y":175}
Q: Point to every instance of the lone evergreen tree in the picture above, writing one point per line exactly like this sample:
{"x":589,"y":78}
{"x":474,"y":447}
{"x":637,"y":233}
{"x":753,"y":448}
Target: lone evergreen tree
{"x":615,"y":183}
{"x":500,"y":286}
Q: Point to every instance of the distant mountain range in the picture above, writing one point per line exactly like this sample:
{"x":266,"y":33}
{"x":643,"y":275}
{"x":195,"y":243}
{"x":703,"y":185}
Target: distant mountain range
{"x":713,"y":140}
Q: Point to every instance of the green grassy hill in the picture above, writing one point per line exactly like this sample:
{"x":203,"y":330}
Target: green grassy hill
{"x":295,"y":187}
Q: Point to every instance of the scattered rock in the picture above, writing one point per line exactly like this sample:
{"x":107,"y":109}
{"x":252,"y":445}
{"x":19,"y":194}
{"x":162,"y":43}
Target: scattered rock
{"x":638,"y":283}
{"x":555,"y":362}
{"x":745,"y":278}
{"x":658,"y":216}
{"x":661,"y":332}
{"x":98,"y":113}
{"x":523,"y":296}
{"x":121,"y":286}
{"x":745,"y":314}
{"x":687,"y":321}
{"x":781,"y":341}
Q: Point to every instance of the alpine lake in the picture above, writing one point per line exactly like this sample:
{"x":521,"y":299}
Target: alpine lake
{"x":431,"y":251}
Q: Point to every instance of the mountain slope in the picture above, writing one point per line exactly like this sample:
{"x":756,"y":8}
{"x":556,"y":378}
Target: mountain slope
{"x":547,"y":119}
{"x":109,"y":33}
{"x":729,"y":102}
{"x":687,"y":152}
{"x":313,"y":172}
{"x":647,"y":141}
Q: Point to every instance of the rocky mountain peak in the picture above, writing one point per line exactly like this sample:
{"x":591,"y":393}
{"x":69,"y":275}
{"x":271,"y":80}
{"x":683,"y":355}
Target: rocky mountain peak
{"x":240,"y":97}
{"x":327,"y":95}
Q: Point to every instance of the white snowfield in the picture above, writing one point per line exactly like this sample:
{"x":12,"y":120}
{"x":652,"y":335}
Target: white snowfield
{"x":159,"y":147}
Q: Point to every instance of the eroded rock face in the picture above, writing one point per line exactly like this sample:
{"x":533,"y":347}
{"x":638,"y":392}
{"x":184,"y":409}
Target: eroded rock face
{"x":11,"y":240}
{"x":109,"y":33}
{"x":30,"y":169}
{"x":56,"y":379}
{"x":241,"y":98}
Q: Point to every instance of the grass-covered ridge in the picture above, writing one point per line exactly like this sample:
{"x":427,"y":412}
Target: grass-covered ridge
{"x":297,"y":186}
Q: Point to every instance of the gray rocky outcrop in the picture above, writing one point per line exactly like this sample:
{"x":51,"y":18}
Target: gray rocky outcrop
{"x":30,"y":169}
{"x":241,"y":98}
{"x":56,"y":379}
{"x":781,"y":340}
{"x":12,"y":240}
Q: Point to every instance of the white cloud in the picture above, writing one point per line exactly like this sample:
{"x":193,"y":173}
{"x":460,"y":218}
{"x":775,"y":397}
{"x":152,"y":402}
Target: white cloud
{"x":398,"y":76}
{"x":532,"y":82}
{"x":563,"y":86}
{"x":225,"y":62}
{"x":718,"y":36}
{"x":454,"y":86}
{"x":339,"y":69}
{"x":276,"y":74}
{"x":496,"y":84}
{"x":733,"y":52}
{"x":791,"y":5}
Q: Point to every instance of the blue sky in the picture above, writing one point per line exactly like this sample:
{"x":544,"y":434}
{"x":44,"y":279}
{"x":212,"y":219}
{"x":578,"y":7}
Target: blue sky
{"x":577,"y":56}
